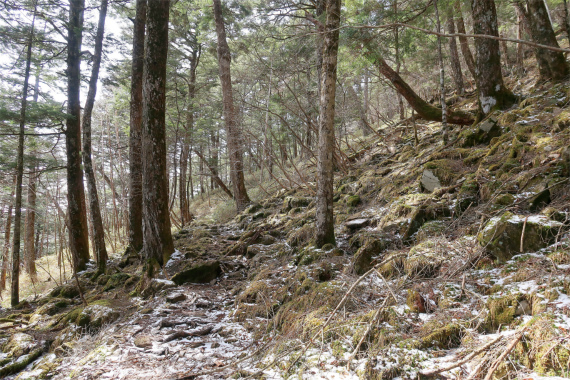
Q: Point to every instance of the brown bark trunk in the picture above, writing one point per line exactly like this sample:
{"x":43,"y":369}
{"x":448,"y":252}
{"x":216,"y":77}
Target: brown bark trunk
{"x":135,"y":158}
{"x":492,"y":93}
{"x":79,"y":240}
{"x":232,"y":130}
{"x":95,"y":212}
{"x":29,"y":242}
{"x":214,"y":173}
{"x":566,"y":20}
{"x":157,"y":238}
{"x":15,"y":290}
{"x":7,"y":245}
{"x":463,"y":42}
{"x":551,"y":64}
{"x":325,"y":162}
{"x":456,"y":71}
{"x":444,"y":127}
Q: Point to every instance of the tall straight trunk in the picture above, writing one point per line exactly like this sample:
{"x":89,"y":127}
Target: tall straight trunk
{"x":566,"y":20}
{"x":551,"y":64}
{"x":456,"y":71}
{"x":79,"y":239}
{"x":157,"y":238}
{"x":398,"y":64}
{"x":186,"y":149}
{"x":492,"y":93}
{"x":6,"y":248}
{"x":29,"y":242}
{"x":135,"y":126}
{"x":95,"y":211}
{"x":463,"y":42}
{"x":232,"y":130}
{"x":325,"y":161}
{"x":15,"y":290}
{"x":266,"y":159}
{"x":444,"y":128}
{"x":520,"y":34}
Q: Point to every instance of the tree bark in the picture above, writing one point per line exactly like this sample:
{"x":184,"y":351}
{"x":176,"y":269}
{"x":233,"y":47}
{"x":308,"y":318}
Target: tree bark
{"x":79,"y":240}
{"x":15,"y":290}
{"x":157,"y":238}
{"x":135,"y":158}
{"x":95,"y":212}
{"x":6,"y":248}
{"x":566,"y":20}
{"x":325,"y":161}
{"x":444,"y":127}
{"x":232,"y":130}
{"x":492,"y":93}
{"x":551,"y":64}
{"x":29,"y":242}
{"x":456,"y":71}
{"x":463,"y":42}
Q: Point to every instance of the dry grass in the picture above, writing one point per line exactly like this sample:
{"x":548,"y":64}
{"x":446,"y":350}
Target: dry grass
{"x":48,"y":274}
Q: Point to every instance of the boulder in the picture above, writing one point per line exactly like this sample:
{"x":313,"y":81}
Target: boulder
{"x":19,"y":344}
{"x":501,"y":236}
{"x":482,"y":133}
{"x":202,"y":272}
{"x":95,"y":316}
{"x":294,"y":202}
{"x":429,"y":181}
{"x":116,"y":280}
{"x":362,"y":260}
{"x":356,"y":224}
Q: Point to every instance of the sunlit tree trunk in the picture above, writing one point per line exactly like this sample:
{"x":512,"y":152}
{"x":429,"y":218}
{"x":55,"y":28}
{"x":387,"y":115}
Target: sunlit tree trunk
{"x":79,"y":239}
{"x":157,"y":238}
{"x":325,"y":162}
{"x":135,"y":158}
{"x":492,"y":93}
{"x":7,"y":245}
{"x":29,"y":239}
{"x":463,"y":42}
{"x":456,"y":71}
{"x":234,"y":140}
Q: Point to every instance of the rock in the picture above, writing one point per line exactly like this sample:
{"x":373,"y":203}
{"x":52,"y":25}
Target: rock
{"x":175,"y":297}
{"x":540,"y":200}
{"x":65,"y":291}
{"x":424,"y":260}
{"x":356,"y":224}
{"x":203,"y":272}
{"x":116,"y":280}
{"x":362,"y":260}
{"x":19,"y":344}
{"x":353,"y":200}
{"x":294,"y":202}
{"x":429,"y":181}
{"x":482,"y":133}
{"x":266,"y":240}
{"x":253,"y":208}
{"x":156,"y":285}
{"x":253,"y":250}
{"x":501,"y":237}
{"x":95,"y":316}
{"x":430,"y":229}
{"x":143,"y":341}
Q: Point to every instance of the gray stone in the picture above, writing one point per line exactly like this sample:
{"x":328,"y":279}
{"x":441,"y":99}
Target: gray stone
{"x":429,"y":181}
{"x":356,"y":224}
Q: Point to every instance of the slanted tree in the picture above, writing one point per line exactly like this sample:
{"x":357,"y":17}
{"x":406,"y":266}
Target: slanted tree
{"x":79,"y":239}
{"x":95,"y":211}
{"x":492,"y":93}
{"x":551,"y":64}
{"x":234,"y":143}
{"x":157,"y":237}
{"x":135,"y":160}
{"x":325,"y":161}
{"x":463,"y":42}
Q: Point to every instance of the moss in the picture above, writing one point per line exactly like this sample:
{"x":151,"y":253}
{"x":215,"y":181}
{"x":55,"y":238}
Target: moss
{"x":116,"y":280}
{"x":362,"y":260}
{"x":203,"y":272}
{"x":445,"y":170}
{"x":424,"y":260}
{"x":430,"y":229}
{"x":66,"y":291}
{"x":444,"y":337}
{"x":21,"y":363}
{"x":353,"y":201}
{"x":502,"y":311}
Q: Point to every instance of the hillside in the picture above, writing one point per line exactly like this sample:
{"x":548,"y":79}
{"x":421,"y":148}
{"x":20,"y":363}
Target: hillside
{"x":452,"y":261}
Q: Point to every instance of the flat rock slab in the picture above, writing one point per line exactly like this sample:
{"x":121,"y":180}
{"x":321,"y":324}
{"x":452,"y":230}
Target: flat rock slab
{"x":429,"y":181}
{"x":356,"y":224}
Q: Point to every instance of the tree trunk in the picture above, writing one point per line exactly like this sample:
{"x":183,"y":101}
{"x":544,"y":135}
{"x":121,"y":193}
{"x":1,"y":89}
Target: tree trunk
{"x":79,"y":239}
{"x":135,"y":158}
{"x":29,"y":242}
{"x":444,"y":127}
{"x":232,"y":130}
{"x":566,"y":20}
{"x":325,"y":162}
{"x":551,"y":64}
{"x":463,"y":42}
{"x":423,"y":108}
{"x":456,"y":72}
{"x":95,"y":211}
{"x":401,"y":109}
{"x":214,"y":173}
{"x":157,"y":238}
{"x":492,"y":93}
{"x":15,"y":290}
{"x":6,"y":248}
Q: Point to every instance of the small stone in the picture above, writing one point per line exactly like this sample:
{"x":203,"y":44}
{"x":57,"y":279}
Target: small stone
{"x":175,"y":297}
{"x":357,"y":224}
{"x":143,"y":341}
{"x":429,"y":181}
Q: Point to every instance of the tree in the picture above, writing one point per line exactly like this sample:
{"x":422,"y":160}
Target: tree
{"x":79,"y":240}
{"x":157,"y":238}
{"x":95,"y":211}
{"x":463,"y":42}
{"x":456,"y":71}
{"x":136,"y":112}
{"x":325,"y":162}
{"x":492,"y":93}
{"x":551,"y":64}
{"x":230,"y":120}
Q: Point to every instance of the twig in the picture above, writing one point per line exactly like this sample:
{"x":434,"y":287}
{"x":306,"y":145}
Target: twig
{"x":507,"y":350}
{"x":522,"y":234}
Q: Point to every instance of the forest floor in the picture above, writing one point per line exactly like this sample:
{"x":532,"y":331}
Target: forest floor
{"x":452,"y":261}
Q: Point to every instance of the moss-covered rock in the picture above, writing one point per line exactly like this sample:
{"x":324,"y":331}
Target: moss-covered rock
{"x":19,"y":344}
{"x":444,"y":337}
{"x":431,"y":229}
{"x":364,"y":257}
{"x":482,"y":133}
{"x":501,"y":236}
{"x":294,"y":202}
{"x":202,"y":272}
{"x":65,"y":291}
{"x":95,"y":316}
{"x":116,"y":280}
{"x":353,"y":200}
{"x":424,"y":259}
